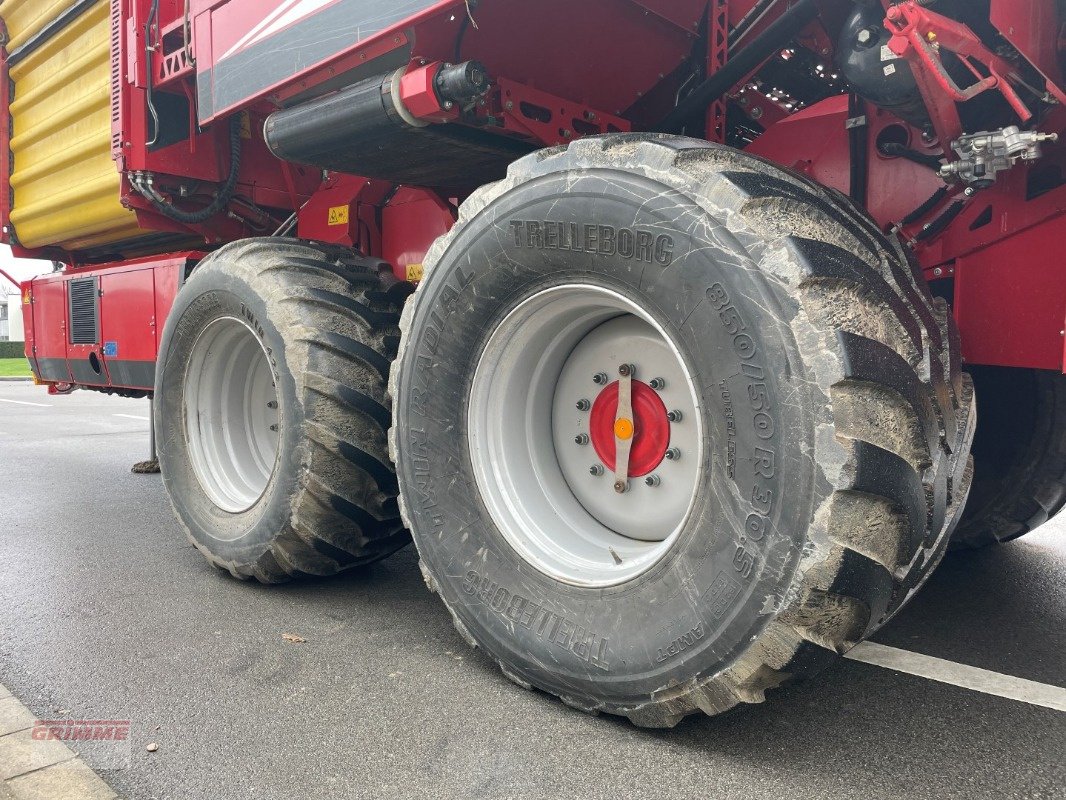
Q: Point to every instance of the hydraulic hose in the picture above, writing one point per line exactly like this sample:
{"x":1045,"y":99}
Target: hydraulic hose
{"x":224,"y":195}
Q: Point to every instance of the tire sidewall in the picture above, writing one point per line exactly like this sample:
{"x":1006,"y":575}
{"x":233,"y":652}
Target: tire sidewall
{"x":212,"y":293}
{"x":699,"y":607}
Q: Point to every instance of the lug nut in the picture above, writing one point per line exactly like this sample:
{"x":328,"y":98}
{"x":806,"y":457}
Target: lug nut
{"x":596,"y":470}
{"x":674,"y":416}
{"x":673,"y":454}
{"x":583,"y":405}
{"x":272,"y":404}
{"x":581,"y":438}
{"x":627,"y":371}
{"x":273,"y":427}
{"x":652,"y":480}
{"x":621,"y":486}
{"x":600,"y":378}
{"x":658,"y":384}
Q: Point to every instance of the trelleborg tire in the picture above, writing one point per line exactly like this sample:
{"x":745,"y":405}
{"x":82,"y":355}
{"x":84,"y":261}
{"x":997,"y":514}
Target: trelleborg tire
{"x":1019,"y":455}
{"x":820,"y":426}
{"x":272,"y":410}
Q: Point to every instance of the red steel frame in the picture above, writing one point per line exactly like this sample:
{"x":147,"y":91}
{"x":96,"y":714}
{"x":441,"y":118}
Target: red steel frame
{"x":998,"y":257}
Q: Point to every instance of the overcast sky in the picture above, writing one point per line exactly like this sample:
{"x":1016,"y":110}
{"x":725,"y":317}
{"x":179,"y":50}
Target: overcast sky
{"x":19,"y":268}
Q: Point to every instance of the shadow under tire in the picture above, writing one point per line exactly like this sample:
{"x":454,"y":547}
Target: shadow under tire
{"x":1019,"y":455}
{"x":272,"y":410}
{"x":831,"y":429}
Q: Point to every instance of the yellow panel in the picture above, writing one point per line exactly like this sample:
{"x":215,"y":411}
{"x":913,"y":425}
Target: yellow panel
{"x":66,"y":186}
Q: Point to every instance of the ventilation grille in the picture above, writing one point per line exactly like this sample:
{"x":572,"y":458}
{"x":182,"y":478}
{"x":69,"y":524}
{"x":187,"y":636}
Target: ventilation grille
{"x":84,"y":311}
{"x":116,"y":77}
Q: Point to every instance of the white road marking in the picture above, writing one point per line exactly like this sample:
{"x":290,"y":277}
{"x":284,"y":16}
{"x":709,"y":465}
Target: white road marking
{"x":25,"y":403}
{"x":131,"y":416}
{"x":967,"y":677}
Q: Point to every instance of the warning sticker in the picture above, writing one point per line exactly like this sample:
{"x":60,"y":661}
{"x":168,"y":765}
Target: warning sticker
{"x":887,"y":54}
{"x":338,"y":215}
{"x":414,"y":272}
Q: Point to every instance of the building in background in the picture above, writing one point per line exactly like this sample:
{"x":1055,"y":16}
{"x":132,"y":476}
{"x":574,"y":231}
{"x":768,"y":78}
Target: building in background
{"x":11,"y":318}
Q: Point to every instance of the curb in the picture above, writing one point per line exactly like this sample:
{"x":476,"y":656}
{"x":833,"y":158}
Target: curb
{"x":10,"y":379}
{"x":40,"y":769}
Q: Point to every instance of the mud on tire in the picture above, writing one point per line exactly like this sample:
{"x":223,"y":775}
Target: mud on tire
{"x":836,"y":424}
{"x":329,"y":329}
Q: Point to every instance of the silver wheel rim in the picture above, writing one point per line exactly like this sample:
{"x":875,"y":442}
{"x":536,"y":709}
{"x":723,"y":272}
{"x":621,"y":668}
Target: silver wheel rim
{"x":525,"y":431}
{"x":231,"y":414}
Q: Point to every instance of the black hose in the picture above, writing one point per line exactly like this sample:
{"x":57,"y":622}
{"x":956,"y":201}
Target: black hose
{"x":897,"y":150}
{"x":750,"y":20}
{"x":921,"y":211}
{"x":225,"y":194}
{"x":940,"y":224}
{"x":782,"y":31}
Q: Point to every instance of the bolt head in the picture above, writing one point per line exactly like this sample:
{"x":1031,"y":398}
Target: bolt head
{"x":673,"y":454}
{"x":652,"y":480}
{"x":627,"y":370}
{"x":865,"y":36}
{"x":658,"y":383}
{"x":596,"y":470}
{"x":581,"y":438}
{"x":583,"y":405}
{"x":621,"y":486}
{"x":674,"y":416}
{"x":600,"y":378}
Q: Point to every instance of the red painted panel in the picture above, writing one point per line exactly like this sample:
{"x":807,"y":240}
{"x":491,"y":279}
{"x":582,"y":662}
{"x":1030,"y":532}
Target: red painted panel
{"x":127,"y":314}
{"x":409,"y":225}
{"x":1010,"y":300}
{"x":49,"y":297}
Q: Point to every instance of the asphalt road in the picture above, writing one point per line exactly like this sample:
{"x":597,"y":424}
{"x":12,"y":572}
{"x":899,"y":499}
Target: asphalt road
{"x":107,"y":612}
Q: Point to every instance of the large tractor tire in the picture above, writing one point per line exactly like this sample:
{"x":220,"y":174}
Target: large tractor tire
{"x":1019,"y":455}
{"x":272,"y":410}
{"x":673,"y":426}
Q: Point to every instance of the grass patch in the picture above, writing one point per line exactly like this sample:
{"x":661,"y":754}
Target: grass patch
{"x":15,"y":368}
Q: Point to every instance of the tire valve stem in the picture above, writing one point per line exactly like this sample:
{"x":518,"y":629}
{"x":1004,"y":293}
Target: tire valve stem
{"x":581,"y":438}
{"x":658,"y":384}
{"x":621,"y":486}
{"x":583,"y":405}
{"x":600,"y":378}
{"x":596,"y":470}
{"x":674,"y":416}
{"x":652,"y":480}
{"x":673,"y":454}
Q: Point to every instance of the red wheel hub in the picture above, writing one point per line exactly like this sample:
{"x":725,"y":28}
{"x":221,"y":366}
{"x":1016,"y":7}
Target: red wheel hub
{"x":651,"y":428}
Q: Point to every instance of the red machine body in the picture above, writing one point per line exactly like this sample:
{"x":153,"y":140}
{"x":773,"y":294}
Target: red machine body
{"x":193,"y":83}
